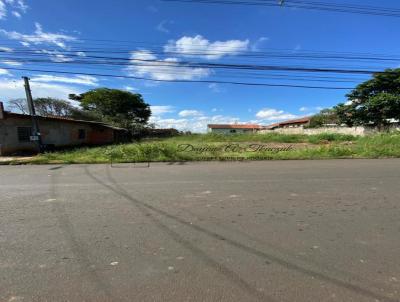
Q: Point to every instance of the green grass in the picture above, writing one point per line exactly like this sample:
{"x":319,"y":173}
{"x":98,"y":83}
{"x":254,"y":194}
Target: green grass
{"x":324,"y":146}
{"x":263,"y":138}
{"x":380,"y":145}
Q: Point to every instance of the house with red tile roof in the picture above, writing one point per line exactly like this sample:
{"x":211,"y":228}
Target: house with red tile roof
{"x":252,"y":128}
{"x":295,"y":123}
{"x":55,"y":132}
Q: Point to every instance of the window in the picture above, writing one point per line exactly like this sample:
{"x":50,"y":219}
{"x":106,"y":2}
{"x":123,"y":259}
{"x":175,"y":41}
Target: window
{"x":24,"y":134}
{"x":81,"y":134}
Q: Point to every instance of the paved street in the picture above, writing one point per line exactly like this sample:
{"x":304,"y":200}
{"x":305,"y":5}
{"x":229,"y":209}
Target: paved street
{"x":251,"y":231}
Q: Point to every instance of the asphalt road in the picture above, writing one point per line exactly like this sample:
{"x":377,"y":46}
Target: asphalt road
{"x":252,"y":231}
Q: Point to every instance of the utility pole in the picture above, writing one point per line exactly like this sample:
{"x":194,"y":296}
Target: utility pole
{"x":35,"y":126}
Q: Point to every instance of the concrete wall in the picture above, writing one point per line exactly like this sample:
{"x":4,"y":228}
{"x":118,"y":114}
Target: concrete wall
{"x":228,"y":131}
{"x":358,"y":131}
{"x":56,"y":133}
{"x":9,"y":137}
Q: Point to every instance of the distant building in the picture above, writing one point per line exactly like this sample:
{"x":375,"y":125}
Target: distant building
{"x":233,"y":128}
{"x":271,"y":127}
{"x":300,"y":122}
{"x":56,"y":132}
{"x":252,"y":128}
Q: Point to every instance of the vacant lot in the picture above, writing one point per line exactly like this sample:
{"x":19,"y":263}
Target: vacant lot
{"x":209,"y":147}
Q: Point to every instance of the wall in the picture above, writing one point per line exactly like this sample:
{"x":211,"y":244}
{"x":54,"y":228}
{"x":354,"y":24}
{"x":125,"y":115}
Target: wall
{"x":358,"y":131}
{"x":53,"y":132}
{"x":59,"y":133}
{"x":228,"y":131}
{"x":9,"y":137}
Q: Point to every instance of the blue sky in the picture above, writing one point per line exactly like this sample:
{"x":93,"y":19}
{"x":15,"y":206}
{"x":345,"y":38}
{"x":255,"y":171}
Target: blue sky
{"x":176,"y":32}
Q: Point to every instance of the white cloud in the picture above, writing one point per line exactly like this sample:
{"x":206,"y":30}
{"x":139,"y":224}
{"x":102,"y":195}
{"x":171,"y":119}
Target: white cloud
{"x":6,"y":49}
{"x":188,"y":113}
{"x":56,"y":56}
{"x":214,"y":87}
{"x":11,"y":63}
{"x":129,"y":88}
{"x":12,"y":88}
{"x":162,"y":26}
{"x":269,"y":114}
{"x":17,"y":6}
{"x":160,"y":110}
{"x":256,"y":46}
{"x":39,"y":37}
{"x":179,"y":124}
{"x":310,"y":109}
{"x":145,"y":64}
{"x":196,"y":124}
{"x":187,"y":122}
{"x":191,"y":120}
{"x":198,"y":46}
{"x":4,"y":71}
{"x":78,"y":79}
{"x":16,"y":14}
{"x":3,"y":10}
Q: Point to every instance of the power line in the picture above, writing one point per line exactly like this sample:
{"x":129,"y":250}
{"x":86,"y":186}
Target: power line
{"x":214,"y":53}
{"x":198,"y":49}
{"x":178,"y":70}
{"x":273,"y":75}
{"x":303,"y":4}
{"x":101,"y":59}
{"x":179,"y":81}
{"x":122,"y":61}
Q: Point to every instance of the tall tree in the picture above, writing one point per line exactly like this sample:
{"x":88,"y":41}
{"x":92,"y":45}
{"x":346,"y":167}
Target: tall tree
{"x":119,"y":107}
{"x":56,"y":107}
{"x":50,"y":106}
{"x":374,"y":102}
{"x":18,"y":105}
{"x":324,"y":117}
{"x":383,"y":82}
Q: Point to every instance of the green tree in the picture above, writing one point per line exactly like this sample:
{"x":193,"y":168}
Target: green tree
{"x":56,"y":107}
{"x":373,"y":102}
{"x":381,"y":108}
{"x":52,"y":107}
{"x":387,"y":81}
{"x":122,"y":108}
{"x":347,"y":114}
{"x":324,"y":117}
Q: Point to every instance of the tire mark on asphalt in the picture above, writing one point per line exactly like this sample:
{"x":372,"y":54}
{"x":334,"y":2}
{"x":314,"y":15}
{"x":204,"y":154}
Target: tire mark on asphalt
{"x":76,"y":246}
{"x":272,"y":258}
{"x":219,"y":223}
{"x":143,"y":207}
